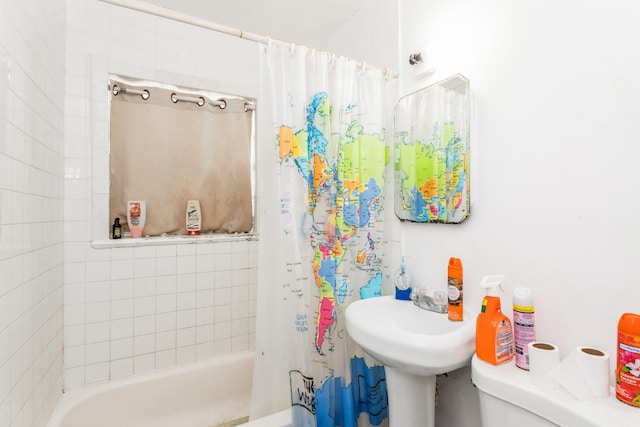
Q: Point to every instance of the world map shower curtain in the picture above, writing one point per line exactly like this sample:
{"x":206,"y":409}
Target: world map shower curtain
{"x":320,"y":196}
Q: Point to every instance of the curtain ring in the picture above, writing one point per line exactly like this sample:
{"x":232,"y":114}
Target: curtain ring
{"x":293,"y":48}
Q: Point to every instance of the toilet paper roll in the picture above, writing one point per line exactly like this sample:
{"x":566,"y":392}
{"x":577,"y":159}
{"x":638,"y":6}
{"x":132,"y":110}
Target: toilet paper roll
{"x":584,"y":373}
{"x":595,"y":363}
{"x":543,"y":359}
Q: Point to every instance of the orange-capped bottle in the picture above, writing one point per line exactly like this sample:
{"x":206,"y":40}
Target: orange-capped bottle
{"x":454,"y":278}
{"x":628,"y":366}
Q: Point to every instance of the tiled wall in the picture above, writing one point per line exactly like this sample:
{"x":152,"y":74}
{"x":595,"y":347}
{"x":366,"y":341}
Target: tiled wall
{"x":31,"y":209}
{"x":134,"y":309}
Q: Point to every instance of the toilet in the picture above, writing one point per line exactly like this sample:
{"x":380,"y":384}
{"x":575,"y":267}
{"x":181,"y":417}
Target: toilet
{"x":508,"y":398}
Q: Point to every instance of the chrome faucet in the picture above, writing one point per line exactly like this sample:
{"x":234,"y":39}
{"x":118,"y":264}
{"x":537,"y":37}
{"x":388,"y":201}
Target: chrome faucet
{"x":433,"y":301}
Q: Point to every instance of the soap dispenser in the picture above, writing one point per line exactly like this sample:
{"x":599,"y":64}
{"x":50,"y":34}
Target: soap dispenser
{"x":494,"y":335}
{"x":403,"y":282}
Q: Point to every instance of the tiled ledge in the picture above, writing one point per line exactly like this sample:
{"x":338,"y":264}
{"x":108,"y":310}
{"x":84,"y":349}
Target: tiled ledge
{"x":126,"y":242}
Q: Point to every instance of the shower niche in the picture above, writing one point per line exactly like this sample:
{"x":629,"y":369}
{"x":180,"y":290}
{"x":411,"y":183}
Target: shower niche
{"x":431,"y":165}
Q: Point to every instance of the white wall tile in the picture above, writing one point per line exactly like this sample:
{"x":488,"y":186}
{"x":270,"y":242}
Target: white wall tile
{"x":97,"y":352}
{"x":121,"y":309}
{"x":166,"y":303}
{"x":186,"y":283}
{"x":144,"y":306}
{"x":166,"y":266}
{"x":74,"y":335}
{"x":121,"y":328}
{"x":122,"y":348}
{"x":96,"y":372}
{"x":186,"y":300}
{"x":186,"y":318}
{"x":166,"y":284}
{"x":186,"y":354}
{"x":143,"y":325}
{"x":165,"y":359}
{"x":166,"y":322}
{"x":97,"y":312}
{"x":205,"y":350}
{"x":97,"y":292}
{"x":121,"y":368}
{"x":122,"y":289}
{"x":122,"y":269}
{"x":144,"y":344}
{"x":74,"y":377}
{"x":144,"y":363}
{"x":74,"y":356}
{"x":97,"y":332}
{"x":186,"y":263}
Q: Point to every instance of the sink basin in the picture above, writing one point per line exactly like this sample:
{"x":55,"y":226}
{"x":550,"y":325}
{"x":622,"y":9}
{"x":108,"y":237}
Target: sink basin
{"x":403,"y":336}
{"x":415,"y":345}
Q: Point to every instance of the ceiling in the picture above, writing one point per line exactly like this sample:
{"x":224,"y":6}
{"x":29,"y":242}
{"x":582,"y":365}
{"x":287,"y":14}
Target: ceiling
{"x":310,"y":23}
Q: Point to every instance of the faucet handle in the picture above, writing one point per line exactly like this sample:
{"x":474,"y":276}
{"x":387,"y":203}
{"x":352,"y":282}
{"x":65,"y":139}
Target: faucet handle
{"x":419,"y":291}
{"x":440,"y":297}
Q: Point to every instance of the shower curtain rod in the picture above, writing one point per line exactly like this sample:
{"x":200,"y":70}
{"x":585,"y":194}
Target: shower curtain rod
{"x":181,"y":17}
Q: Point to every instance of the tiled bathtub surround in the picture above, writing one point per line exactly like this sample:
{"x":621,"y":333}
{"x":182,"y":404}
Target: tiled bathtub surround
{"x":32,"y":40}
{"x":134,"y":309}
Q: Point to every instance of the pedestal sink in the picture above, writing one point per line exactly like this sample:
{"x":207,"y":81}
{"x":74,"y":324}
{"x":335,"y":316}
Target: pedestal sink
{"x":415,"y":345}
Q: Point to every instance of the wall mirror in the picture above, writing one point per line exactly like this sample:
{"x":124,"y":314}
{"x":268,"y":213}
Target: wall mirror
{"x":431,"y":167}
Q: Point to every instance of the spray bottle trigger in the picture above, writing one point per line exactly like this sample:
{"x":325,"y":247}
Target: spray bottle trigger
{"x":491,"y":282}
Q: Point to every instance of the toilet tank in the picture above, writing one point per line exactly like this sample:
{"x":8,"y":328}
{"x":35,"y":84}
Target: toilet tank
{"x":496,"y":412}
{"x":508,"y":398}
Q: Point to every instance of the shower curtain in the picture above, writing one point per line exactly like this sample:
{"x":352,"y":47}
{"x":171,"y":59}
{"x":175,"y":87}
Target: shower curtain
{"x":322,"y":156}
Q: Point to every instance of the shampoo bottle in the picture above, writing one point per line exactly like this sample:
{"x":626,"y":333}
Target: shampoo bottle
{"x":524,"y":328}
{"x":454,"y":278}
{"x":194,"y":217}
{"x":136,"y":216}
{"x":494,"y":336}
{"x":116,"y":229}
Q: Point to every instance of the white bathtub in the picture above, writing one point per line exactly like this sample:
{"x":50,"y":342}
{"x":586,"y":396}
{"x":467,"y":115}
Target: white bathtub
{"x":204,"y":394}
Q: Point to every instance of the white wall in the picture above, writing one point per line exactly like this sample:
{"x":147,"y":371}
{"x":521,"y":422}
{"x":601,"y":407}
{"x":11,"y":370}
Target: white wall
{"x":31,"y":209}
{"x":555,"y":156}
{"x":131,"y":310}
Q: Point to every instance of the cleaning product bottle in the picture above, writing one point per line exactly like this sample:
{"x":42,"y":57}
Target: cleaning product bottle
{"x":454,"y":277}
{"x":628,"y":366}
{"x":524,"y":328}
{"x":403,"y":282}
{"x":494,"y":336}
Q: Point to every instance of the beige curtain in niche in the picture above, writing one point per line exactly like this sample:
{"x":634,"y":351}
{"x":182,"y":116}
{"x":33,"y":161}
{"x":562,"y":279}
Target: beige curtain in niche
{"x":167,"y":153}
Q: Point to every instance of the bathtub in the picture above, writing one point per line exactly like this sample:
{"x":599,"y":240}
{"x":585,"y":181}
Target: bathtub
{"x":205,"y":394}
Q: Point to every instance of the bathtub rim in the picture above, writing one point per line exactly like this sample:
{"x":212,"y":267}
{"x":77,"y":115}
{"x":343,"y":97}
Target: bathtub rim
{"x":71,"y":399}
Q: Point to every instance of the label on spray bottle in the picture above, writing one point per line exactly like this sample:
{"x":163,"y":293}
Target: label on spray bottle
{"x":523,"y":325}
{"x":454,"y":280}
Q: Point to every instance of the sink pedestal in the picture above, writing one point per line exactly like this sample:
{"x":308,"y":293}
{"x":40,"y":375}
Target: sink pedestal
{"x":411,"y":399}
